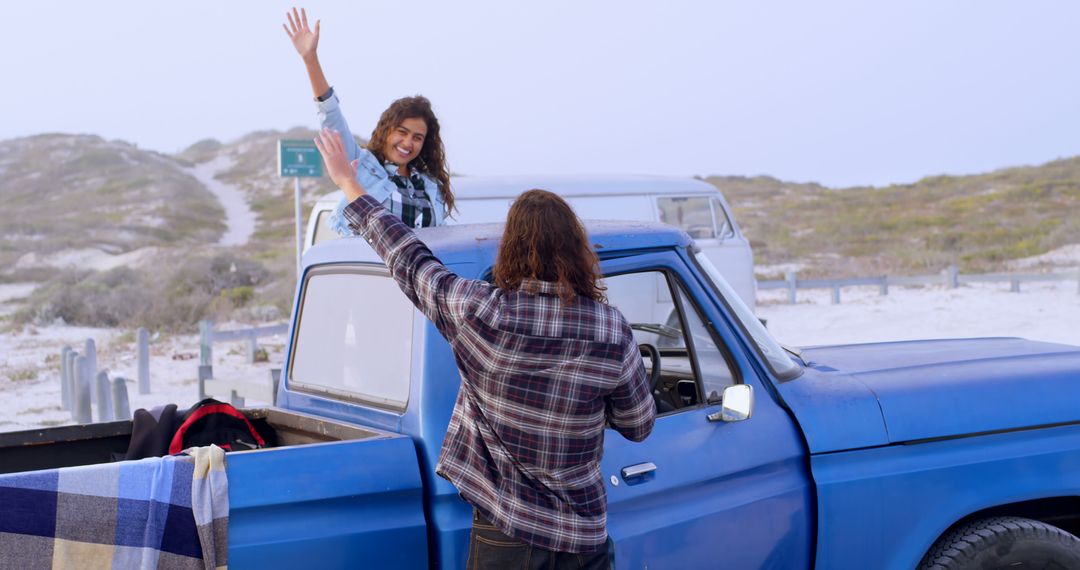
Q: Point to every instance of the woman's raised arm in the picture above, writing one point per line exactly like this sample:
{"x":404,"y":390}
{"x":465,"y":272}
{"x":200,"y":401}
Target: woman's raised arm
{"x":306,"y":43}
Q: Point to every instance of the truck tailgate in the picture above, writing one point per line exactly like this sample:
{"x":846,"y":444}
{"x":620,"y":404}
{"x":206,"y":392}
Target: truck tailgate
{"x":333,"y":504}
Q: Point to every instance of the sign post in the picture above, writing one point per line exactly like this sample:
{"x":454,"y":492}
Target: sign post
{"x":300,"y":159}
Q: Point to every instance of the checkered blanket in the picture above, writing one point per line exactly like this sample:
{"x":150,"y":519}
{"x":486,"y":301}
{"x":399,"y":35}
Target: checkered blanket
{"x":161,"y":512}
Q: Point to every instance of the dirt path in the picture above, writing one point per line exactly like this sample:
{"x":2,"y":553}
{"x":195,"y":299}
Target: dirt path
{"x":239,"y":219}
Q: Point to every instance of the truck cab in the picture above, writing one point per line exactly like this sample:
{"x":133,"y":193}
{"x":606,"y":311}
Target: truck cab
{"x":361,"y":352}
{"x":815,"y":471}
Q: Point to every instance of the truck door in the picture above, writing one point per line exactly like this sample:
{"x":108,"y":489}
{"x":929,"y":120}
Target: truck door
{"x":700,"y":493}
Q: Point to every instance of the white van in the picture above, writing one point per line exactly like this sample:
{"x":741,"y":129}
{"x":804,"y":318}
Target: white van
{"x":695,"y":206}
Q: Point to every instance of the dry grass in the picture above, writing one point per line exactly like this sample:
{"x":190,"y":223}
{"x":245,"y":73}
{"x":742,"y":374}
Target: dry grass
{"x":977,"y":222}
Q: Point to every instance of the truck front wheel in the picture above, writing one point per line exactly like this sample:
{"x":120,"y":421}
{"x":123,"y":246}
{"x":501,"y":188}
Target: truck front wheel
{"x":1001,"y":542}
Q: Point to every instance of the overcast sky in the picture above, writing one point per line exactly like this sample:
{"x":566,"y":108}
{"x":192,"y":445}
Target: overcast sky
{"x":836,"y":92}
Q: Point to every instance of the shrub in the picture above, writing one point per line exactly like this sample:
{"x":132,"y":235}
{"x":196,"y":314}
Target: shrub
{"x":239,"y":296}
{"x":94,"y":299}
{"x":160,"y":299}
{"x":22,"y":374}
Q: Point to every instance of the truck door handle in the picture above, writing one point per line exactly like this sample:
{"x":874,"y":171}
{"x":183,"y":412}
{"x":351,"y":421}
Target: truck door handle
{"x":638,"y":470}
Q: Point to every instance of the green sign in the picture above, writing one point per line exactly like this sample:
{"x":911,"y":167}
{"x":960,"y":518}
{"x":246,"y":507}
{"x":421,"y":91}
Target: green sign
{"x":298,"y":157}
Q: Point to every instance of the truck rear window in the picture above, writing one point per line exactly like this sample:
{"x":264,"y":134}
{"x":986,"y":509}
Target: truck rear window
{"x":354,"y":337}
{"x":322,"y":228}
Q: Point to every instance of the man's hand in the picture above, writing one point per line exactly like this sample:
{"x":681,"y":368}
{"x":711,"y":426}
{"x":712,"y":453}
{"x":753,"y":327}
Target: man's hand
{"x":303,"y":39}
{"x":338,"y":167}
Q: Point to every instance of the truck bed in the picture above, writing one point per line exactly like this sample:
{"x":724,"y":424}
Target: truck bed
{"x":328,"y":495}
{"x":87,"y":444}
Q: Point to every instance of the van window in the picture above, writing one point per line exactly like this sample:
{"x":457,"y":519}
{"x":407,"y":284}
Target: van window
{"x":724,"y":229}
{"x":354,"y":337}
{"x":693,"y":215}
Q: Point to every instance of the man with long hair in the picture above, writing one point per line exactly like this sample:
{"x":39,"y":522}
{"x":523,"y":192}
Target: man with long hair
{"x":545,"y":365}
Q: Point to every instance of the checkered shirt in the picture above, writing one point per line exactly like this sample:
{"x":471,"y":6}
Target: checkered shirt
{"x":539,"y":382}
{"x":411,"y":201}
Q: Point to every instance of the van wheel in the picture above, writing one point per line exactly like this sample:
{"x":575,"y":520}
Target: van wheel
{"x":1003,"y":542}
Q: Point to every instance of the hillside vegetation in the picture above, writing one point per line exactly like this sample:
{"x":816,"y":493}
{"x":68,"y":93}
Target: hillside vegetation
{"x":114,"y":235}
{"x":79,"y":211}
{"x":70,"y":192}
{"x":978,"y":222}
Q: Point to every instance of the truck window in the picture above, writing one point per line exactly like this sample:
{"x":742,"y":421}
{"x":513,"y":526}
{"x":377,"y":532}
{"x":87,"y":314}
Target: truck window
{"x":322,"y":229}
{"x":353,"y":338}
{"x":692,"y":214}
{"x":693,"y":367}
{"x":712,"y":366}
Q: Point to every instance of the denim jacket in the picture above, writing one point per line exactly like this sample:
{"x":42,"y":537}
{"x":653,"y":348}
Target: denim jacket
{"x":374,"y":177}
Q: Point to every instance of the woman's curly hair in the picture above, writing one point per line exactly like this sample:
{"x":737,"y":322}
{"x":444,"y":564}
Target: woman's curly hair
{"x":544,"y":239}
{"x":432,"y":157}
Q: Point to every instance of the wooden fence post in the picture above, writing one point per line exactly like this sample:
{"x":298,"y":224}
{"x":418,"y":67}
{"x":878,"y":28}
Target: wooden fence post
{"x":80,"y":412}
{"x":121,"y":407}
{"x":90,"y":351}
{"x":72,"y":380}
{"x":206,"y":355}
{"x":206,"y":343}
{"x":275,"y":381}
{"x":206,"y":372}
{"x":65,"y":388}
{"x":104,"y":397}
{"x":949,"y":276}
{"x":143,"y":337}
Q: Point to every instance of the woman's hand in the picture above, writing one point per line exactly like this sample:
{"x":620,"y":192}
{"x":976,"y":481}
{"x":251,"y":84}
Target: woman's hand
{"x":303,"y":39}
{"x":306,"y":43}
{"x":338,"y":167}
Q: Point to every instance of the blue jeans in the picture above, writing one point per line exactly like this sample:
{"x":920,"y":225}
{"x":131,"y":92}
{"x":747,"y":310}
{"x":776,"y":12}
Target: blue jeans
{"x":490,"y":548}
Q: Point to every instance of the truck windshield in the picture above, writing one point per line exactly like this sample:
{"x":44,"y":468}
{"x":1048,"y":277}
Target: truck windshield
{"x":777,"y":358}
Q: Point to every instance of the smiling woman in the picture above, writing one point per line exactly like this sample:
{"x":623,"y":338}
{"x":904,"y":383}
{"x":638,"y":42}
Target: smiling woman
{"x":403,"y":165}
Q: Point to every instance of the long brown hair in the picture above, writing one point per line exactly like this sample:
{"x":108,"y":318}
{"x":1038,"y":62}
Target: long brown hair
{"x":432,"y":157}
{"x":545,"y":240}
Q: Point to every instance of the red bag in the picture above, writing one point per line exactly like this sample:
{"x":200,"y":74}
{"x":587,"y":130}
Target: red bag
{"x":214,"y":422}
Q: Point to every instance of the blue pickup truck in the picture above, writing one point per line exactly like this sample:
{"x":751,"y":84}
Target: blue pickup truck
{"x":928,"y":454}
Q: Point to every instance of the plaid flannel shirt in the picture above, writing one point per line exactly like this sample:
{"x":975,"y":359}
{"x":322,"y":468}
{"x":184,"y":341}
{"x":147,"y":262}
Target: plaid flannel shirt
{"x":539,"y":382}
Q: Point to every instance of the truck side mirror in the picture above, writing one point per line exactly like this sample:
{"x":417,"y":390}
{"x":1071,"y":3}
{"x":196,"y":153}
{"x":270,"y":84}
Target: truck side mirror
{"x":737,"y":404}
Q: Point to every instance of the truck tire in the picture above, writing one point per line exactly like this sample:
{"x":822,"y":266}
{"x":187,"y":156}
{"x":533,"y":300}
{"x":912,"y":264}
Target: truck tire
{"x":1003,"y":542}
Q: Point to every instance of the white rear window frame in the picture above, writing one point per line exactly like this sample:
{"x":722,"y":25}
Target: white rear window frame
{"x":405,"y":364}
